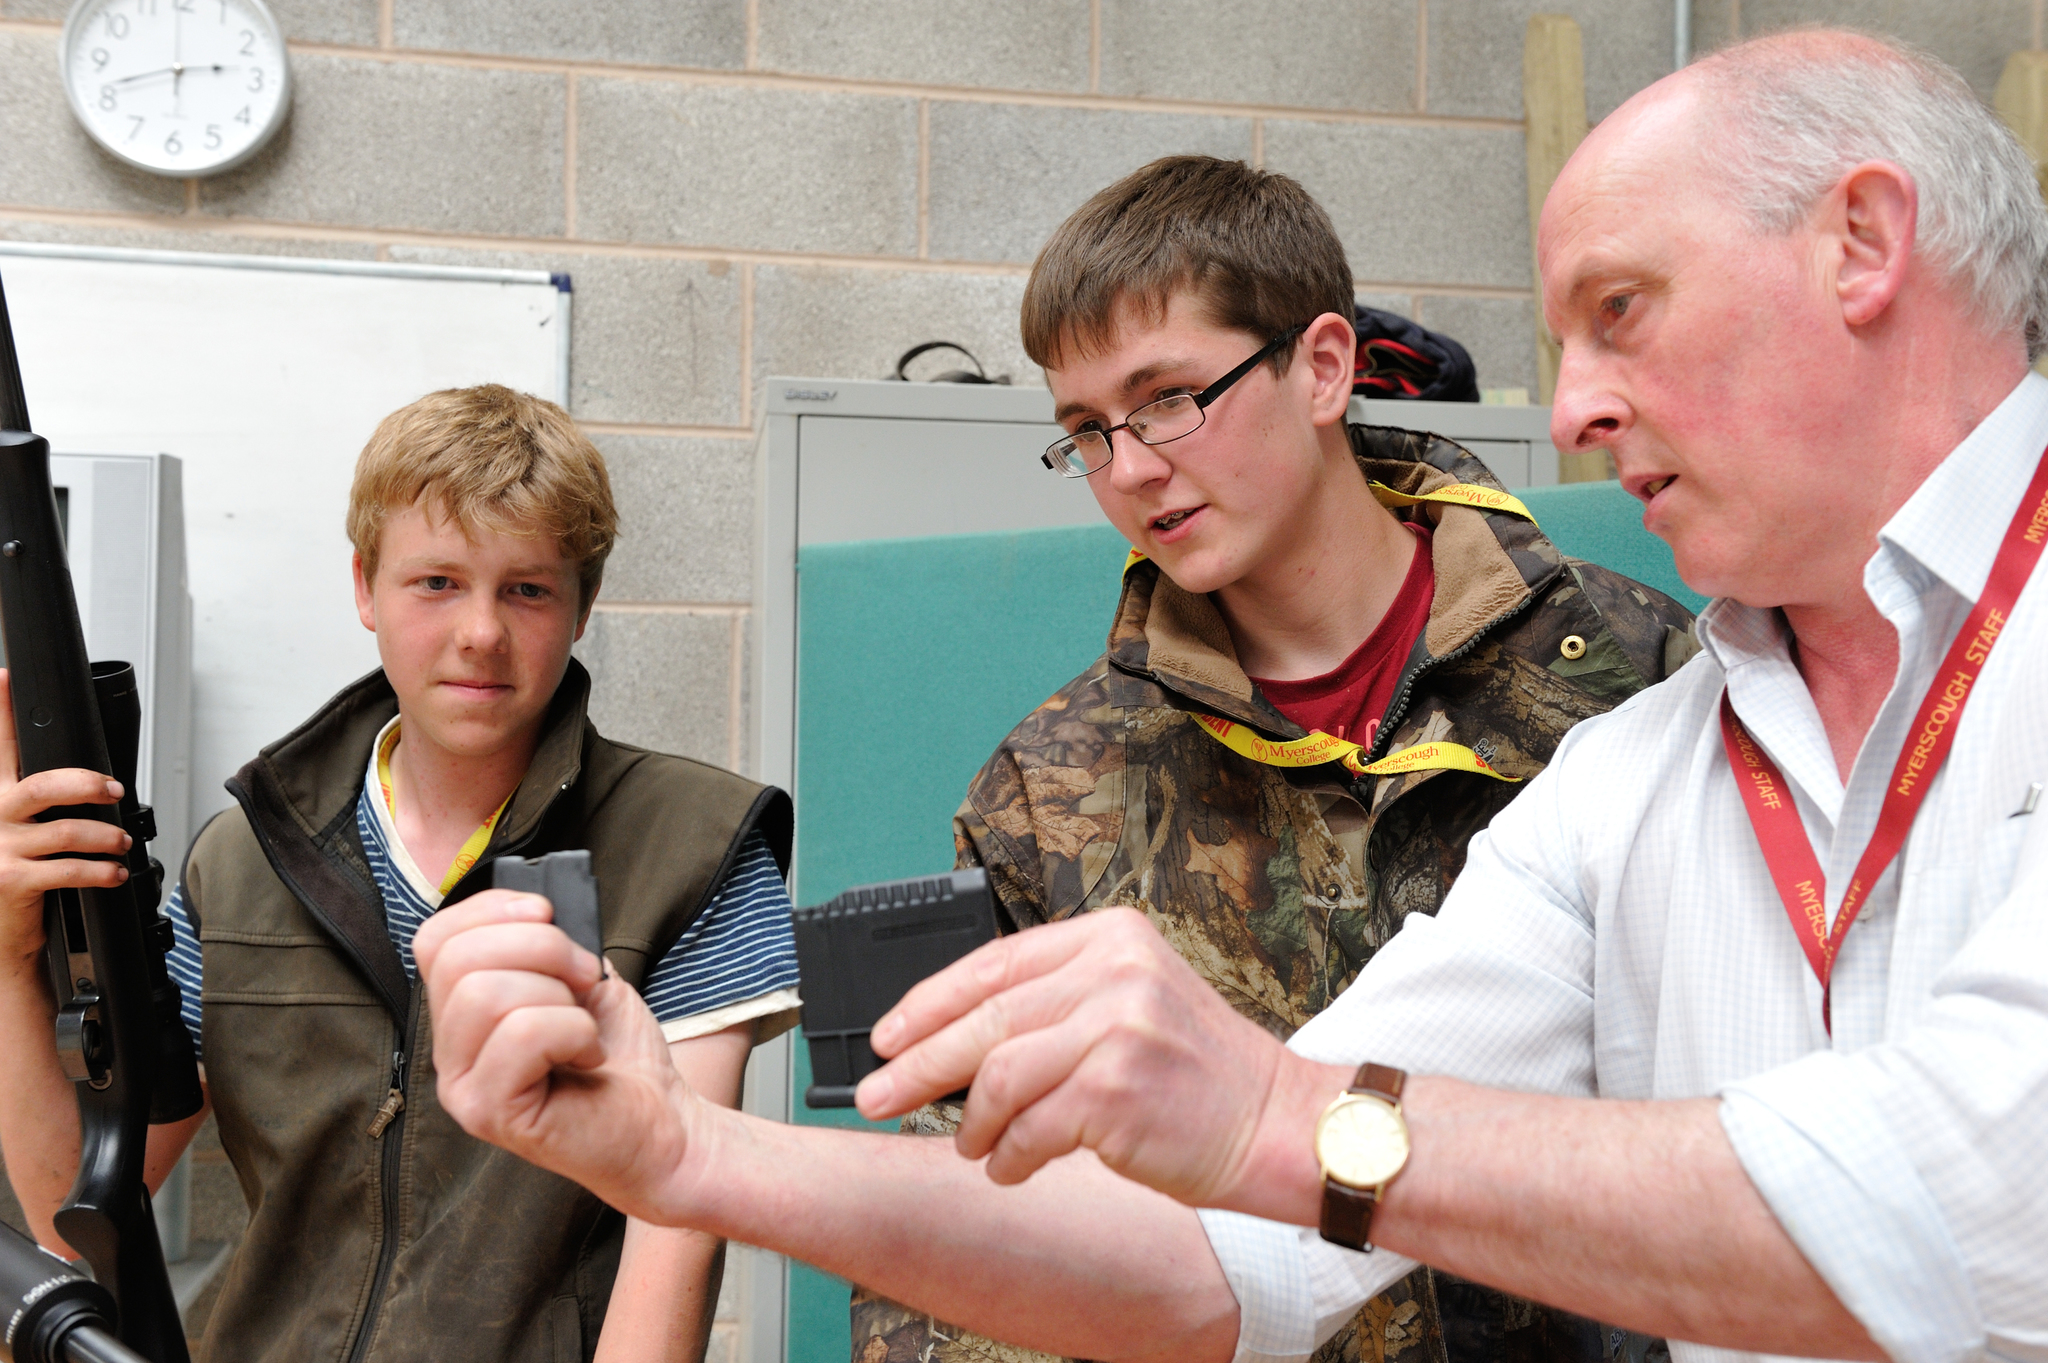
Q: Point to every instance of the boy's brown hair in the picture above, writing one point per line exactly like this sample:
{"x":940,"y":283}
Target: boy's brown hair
{"x":1257,"y":251}
{"x":489,"y":458}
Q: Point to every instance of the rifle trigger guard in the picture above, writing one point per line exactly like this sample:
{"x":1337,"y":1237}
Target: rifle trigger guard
{"x":81,"y":1041}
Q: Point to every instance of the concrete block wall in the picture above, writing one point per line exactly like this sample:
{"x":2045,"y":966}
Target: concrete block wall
{"x":745,"y":187}
{"x":1974,"y":36}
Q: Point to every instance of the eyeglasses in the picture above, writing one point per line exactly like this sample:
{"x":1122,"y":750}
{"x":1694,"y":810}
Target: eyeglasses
{"x":1156,"y":423}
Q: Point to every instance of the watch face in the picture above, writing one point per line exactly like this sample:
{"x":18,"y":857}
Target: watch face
{"x":1361,"y":1142}
{"x":179,"y":87}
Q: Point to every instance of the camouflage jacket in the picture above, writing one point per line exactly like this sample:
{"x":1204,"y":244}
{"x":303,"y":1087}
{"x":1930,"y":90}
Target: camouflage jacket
{"x":1278,"y":884}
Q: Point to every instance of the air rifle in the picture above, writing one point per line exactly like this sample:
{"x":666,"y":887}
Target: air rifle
{"x":119,"y":1036}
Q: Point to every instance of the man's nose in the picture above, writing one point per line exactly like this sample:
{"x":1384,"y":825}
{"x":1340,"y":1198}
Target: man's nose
{"x":1587,"y":412}
{"x":1133,"y":463}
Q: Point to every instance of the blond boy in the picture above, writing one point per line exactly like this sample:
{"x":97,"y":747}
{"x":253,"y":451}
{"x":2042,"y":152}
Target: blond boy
{"x":481,"y":520}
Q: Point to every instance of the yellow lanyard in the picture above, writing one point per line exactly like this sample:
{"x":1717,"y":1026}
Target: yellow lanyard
{"x":1457,"y":494}
{"x":1317,"y":747}
{"x":471,"y":849}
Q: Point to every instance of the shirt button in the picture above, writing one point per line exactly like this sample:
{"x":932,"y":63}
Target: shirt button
{"x":1572,"y":647}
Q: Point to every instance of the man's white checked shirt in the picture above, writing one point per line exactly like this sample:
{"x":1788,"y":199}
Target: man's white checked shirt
{"x":1616,"y":933}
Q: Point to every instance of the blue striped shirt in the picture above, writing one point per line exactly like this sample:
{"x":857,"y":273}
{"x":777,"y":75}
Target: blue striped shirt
{"x":736,"y":960}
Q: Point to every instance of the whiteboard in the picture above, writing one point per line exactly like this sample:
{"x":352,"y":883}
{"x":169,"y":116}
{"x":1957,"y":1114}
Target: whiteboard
{"x":265,"y":376}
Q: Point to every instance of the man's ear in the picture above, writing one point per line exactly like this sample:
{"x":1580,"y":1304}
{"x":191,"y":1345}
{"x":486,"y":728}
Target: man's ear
{"x":366,"y":609}
{"x":1872,"y":218}
{"x":1330,"y":350}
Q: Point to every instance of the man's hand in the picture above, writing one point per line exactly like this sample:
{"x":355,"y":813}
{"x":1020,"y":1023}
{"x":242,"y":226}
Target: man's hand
{"x":36,"y":857}
{"x":1091,"y":1032}
{"x":538,"y":1055}
{"x":539,"y":1052}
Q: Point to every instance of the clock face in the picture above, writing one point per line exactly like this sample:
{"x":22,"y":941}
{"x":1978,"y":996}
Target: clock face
{"x":1361,"y":1142}
{"x":179,"y":87}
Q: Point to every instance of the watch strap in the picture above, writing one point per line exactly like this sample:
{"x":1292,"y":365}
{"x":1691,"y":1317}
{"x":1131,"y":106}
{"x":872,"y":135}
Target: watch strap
{"x":1347,"y":1214}
{"x":1379,"y":1081}
{"x":1347,"y":1211}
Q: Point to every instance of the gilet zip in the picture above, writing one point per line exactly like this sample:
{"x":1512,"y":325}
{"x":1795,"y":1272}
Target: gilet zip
{"x":388,"y":1127}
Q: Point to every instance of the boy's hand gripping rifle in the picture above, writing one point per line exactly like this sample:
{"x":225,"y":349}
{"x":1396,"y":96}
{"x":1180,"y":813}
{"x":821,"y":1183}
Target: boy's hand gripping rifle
{"x":118,"y":1032}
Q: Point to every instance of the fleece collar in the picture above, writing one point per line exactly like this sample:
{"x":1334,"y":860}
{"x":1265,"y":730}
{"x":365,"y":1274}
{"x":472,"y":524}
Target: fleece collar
{"x":1488,"y":566}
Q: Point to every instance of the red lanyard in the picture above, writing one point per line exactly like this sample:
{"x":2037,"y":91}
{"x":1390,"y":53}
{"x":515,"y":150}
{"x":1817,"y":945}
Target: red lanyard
{"x":1768,"y":801}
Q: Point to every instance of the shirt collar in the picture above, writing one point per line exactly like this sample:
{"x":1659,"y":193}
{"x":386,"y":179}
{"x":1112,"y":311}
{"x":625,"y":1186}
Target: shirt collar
{"x":374,"y":815}
{"x":1951,"y":526}
{"x":1954,"y":523}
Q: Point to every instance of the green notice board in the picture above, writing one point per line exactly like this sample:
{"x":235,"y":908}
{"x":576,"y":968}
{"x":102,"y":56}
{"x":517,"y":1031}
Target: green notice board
{"x":916,"y":656}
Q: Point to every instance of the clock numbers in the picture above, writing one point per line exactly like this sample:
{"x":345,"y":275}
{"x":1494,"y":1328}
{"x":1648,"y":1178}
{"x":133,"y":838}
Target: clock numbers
{"x":169,"y":93}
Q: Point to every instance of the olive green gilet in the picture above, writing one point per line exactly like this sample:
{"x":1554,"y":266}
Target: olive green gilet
{"x":419,"y":1242}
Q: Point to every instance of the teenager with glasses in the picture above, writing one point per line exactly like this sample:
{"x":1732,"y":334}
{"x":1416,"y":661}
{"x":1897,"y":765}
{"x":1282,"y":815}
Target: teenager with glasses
{"x":1194,"y":324}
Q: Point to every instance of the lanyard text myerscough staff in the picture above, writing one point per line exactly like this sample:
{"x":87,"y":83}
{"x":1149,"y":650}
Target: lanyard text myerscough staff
{"x":1794,"y":867}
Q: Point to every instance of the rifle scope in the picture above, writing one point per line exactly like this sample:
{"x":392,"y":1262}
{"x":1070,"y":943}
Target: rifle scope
{"x":50,"y":1312}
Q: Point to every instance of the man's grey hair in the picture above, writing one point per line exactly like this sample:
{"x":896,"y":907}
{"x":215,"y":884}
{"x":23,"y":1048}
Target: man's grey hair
{"x":1807,"y":106}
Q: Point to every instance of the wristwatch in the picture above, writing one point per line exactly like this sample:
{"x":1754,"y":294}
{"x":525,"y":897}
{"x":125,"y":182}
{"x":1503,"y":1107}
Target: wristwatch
{"x":1361,"y":1143}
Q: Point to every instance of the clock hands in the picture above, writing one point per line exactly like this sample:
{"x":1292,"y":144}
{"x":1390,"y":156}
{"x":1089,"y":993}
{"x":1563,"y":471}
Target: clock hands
{"x":175,"y":70}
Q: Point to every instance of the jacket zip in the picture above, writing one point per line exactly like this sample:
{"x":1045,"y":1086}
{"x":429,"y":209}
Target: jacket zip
{"x":394,"y":1100}
{"x":1399,"y":710}
{"x":389,"y":1128}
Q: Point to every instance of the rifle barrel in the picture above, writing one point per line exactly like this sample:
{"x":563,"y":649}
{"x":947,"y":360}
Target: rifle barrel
{"x":89,"y":1345}
{"x":13,"y":399}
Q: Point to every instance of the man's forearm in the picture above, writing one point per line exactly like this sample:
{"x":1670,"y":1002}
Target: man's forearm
{"x":1637,"y":1213}
{"x":1076,"y":1261}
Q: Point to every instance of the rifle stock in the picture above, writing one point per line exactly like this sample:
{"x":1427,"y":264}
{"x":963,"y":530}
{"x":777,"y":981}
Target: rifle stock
{"x":118,"y":1032}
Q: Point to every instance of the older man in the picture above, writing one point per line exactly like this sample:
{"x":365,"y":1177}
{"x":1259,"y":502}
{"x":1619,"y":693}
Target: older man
{"x":1735,"y":1028}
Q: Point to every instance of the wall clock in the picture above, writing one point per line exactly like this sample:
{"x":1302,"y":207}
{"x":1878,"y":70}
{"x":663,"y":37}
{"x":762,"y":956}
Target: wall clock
{"x":178,"y":87}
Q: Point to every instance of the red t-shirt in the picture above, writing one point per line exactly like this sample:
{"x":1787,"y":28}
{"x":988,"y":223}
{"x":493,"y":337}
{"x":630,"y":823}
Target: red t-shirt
{"x":1350,"y":701}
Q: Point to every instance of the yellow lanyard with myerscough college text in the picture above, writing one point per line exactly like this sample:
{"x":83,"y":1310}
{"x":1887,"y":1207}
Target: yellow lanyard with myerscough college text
{"x":1318,"y":747}
{"x":1457,"y":494}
